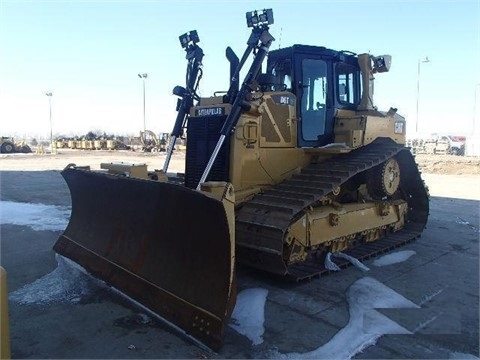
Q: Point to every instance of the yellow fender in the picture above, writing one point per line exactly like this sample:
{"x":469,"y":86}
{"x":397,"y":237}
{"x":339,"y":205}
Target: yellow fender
{"x":5,"y":324}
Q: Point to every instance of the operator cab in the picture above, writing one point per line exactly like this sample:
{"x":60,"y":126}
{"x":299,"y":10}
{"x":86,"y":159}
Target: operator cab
{"x":322,"y":80}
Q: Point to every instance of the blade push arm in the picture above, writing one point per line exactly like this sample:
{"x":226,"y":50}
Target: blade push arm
{"x":259,"y":43}
{"x":188,"y":94}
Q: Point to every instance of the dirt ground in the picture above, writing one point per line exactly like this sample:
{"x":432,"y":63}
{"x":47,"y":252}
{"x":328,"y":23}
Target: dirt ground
{"x":448,"y":164}
{"x":58,"y":161}
{"x":428,"y":163}
{"x":440,"y":172}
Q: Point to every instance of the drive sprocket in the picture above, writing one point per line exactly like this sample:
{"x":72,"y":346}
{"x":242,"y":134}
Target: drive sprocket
{"x":384,"y":180}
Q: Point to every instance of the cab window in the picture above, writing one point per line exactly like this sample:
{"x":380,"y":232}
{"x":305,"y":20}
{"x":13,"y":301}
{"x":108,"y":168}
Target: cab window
{"x":348,"y":84}
{"x":282,"y":72}
{"x":314,"y":98}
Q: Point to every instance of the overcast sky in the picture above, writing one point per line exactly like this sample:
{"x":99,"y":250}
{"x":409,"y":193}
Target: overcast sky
{"x":88,"y":54}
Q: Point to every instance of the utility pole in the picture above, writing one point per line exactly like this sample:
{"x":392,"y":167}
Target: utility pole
{"x":49,"y":94}
{"x":474,"y":129}
{"x":418,"y":88}
{"x":143,"y":77}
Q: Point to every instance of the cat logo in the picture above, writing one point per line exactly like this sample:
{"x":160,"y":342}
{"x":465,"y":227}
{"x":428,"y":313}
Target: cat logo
{"x":211,"y":111}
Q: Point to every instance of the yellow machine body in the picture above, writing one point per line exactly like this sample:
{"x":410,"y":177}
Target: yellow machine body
{"x":264,"y":145}
{"x":291,"y":166}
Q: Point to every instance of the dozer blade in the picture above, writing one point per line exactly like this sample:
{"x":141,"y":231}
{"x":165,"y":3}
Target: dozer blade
{"x":166,"y":246}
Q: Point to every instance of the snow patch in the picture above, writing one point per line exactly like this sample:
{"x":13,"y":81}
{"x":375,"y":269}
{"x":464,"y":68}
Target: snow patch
{"x":329,"y":264}
{"x":365,"y":325}
{"x":67,"y":283}
{"x":394,"y":258}
{"x":36,"y":216}
{"x":248,"y":316}
{"x":355,"y":262}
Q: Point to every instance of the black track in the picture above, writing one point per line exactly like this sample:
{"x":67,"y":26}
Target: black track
{"x":261,"y":224}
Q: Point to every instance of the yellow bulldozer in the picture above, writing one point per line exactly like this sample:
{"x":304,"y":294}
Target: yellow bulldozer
{"x":284,"y":169}
{"x":8,"y":145}
{"x":153,"y":143}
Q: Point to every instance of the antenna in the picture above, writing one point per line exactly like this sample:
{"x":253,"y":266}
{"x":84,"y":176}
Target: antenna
{"x":280,"y":38}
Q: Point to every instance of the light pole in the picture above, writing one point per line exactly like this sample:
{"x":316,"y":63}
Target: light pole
{"x":143,"y":77}
{"x":49,"y":94}
{"x":418,"y":88}
{"x":474,"y":132}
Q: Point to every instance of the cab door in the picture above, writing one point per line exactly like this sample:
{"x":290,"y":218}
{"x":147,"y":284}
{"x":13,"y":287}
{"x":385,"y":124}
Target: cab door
{"x":314,"y":106}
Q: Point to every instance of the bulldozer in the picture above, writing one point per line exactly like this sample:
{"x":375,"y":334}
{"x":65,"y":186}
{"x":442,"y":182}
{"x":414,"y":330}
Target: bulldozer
{"x":8,"y":145}
{"x":153,"y":143}
{"x":283,"y":170}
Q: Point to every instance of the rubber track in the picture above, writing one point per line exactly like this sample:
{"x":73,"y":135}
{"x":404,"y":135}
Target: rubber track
{"x":262,"y":222}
